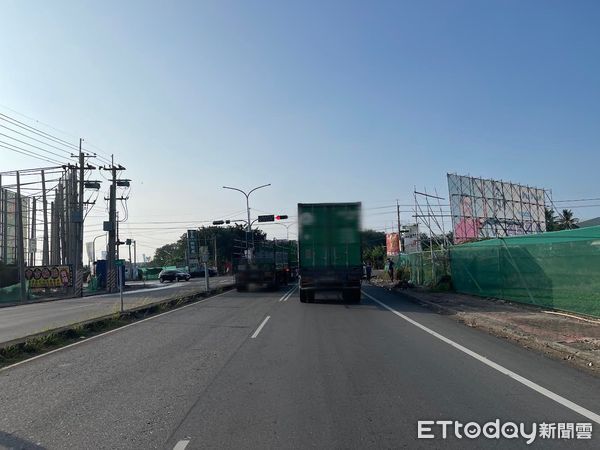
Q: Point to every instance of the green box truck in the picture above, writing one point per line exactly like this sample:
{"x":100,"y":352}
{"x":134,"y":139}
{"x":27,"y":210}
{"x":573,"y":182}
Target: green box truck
{"x":329,"y":249}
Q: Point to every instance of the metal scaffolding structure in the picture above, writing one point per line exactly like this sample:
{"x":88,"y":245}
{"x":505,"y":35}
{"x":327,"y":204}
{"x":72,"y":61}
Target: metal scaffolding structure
{"x":484,"y":208}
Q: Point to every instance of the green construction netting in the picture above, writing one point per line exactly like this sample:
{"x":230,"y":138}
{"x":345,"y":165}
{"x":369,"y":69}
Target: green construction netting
{"x":425,"y":268}
{"x":10,"y":294}
{"x":558,"y":270}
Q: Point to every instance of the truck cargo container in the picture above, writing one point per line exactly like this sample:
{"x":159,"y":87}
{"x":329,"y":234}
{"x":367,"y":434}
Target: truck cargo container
{"x":330,"y":250}
{"x":268,"y":266}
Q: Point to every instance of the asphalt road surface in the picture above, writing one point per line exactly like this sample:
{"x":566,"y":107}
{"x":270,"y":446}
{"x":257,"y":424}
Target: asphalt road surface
{"x":262,"y":370}
{"x":24,"y":320}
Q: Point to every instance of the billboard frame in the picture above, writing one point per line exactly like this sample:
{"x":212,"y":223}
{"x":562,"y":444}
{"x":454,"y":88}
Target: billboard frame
{"x":487,"y":208}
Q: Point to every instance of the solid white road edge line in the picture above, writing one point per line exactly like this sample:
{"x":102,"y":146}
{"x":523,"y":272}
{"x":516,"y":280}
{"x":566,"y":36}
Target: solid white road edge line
{"x":108,"y":332}
{"x":260,"y":327}
{"x":530,"y":384}
{"x":181,"y":445}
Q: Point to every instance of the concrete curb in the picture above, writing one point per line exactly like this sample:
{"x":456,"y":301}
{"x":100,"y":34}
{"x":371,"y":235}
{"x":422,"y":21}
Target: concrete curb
{"x":180,"y":300}
{"x":580,"y":358}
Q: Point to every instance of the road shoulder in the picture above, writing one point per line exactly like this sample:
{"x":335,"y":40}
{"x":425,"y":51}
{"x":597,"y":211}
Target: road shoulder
{"x":558,"y":335}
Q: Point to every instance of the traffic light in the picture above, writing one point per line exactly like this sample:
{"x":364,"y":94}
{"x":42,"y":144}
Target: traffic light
{"x":281,"y":217}
{"x":127,"y":241}
{"x":266,"y":218}
{"x":218,"y":222}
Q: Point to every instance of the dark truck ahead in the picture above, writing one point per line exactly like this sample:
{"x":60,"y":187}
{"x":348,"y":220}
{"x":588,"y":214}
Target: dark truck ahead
{"x":268,"y":267}
{"x":329,"y":249}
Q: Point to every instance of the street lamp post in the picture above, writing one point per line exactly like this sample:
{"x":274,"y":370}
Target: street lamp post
{"x":287,"y":229}
{"x":286,"y":225}
{"x":247,"y":195}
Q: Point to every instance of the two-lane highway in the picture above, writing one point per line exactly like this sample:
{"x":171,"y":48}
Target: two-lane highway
{"x":262,"y":370}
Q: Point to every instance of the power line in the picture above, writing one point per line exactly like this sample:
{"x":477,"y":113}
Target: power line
{"x":46,"y":135}
{"x":31,"y":145}
{"x":28,"y":153}
{"x":34,"y":139}
{"x":577,"y":200}
{"x":579,"y":206}
{"x":38,"y":121}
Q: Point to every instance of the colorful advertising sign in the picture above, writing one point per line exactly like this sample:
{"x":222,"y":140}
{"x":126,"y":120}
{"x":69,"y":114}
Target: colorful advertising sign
{"x":489,"y":208}
{"x":392,"y":244}
{"x":49,"y":276}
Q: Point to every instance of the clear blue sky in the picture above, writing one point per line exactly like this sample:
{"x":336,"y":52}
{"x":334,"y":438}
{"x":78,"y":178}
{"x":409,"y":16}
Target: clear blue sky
{"x":326,"y":100}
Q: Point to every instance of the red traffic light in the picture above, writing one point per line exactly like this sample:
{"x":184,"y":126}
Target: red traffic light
{"x":280,"y":217}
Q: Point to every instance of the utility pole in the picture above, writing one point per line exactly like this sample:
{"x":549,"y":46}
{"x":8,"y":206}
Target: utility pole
{"x":112,"y":227}
{"x":216,"y":267}
{"x":118,"y":239}
{"x":400,"y":246}
{"x":78,"y":263}
{"x":4,"y":223}
{"x":45,"y":249}
{"x":61,"y":222}
{"x":32,"y":243}
{"x":130,"y":265}
{"x":1,"y":221}
{"x":398,"y":216}
{"x":20,"y":237}
{"x":53,"y":234}
{"x":67,"y":252}
{"x":78,"y":216}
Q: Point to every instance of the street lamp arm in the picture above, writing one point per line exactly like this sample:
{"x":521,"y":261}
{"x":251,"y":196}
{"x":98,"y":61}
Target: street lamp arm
{"x":236,"y":189}
{"x":264,"y":185}
{"x":247,"y":195}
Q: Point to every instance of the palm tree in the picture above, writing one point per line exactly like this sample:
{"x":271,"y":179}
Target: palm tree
{"x":551,"y":224}
{"x":567,"y":221}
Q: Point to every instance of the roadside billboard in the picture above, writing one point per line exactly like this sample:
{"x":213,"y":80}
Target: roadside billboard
{"x":411,"y":239}
{"x":392,"y":244}
{"x":193,"y":248}
{"x":482,"y":208}
{"x":193,"y":243}
{"x":49,"y":276}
